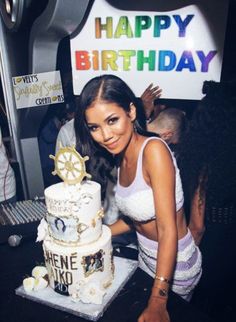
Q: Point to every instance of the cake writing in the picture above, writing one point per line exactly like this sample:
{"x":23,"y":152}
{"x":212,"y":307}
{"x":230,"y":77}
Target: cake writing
{"x":68,"y":206}
{"x":61,"y":266}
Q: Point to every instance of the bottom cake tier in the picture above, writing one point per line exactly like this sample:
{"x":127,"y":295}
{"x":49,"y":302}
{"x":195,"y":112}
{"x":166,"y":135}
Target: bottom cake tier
{"x":83,"y":272}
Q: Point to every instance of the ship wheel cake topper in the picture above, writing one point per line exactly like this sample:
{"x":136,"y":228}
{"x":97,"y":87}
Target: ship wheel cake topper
{"x":69,"y":165}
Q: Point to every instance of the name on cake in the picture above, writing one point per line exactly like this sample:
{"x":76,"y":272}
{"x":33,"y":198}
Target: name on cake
{"x":62,"y":265}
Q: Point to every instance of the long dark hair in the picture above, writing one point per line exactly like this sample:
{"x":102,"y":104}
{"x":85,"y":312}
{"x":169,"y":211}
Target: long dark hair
{"x":207,"y":154}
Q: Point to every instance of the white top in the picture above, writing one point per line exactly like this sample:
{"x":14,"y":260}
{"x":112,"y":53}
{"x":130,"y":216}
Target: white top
{"x":136,"y":201}
{"x":7,"y":177}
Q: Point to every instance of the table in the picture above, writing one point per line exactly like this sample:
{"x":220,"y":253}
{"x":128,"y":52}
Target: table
{"x":17,"y":262}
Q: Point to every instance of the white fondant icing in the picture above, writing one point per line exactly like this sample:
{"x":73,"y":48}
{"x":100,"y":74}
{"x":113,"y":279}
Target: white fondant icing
{"x":42,"y":230}
{"x":72,"y":266}
{"x":73,"y":212}
{"x":77,"y":247}
{"x":91,"y":293}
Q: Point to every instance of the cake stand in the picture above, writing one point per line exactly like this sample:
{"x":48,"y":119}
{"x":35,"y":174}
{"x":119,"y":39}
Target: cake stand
{"x":124,"y":269}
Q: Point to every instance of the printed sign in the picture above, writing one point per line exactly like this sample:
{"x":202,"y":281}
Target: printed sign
{"x":38,"y":89}
{"x":176,"y":50}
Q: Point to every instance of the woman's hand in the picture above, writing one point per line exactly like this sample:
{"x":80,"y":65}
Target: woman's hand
{"x":155,"y":312}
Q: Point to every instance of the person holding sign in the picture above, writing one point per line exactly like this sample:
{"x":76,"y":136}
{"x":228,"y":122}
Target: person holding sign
{"x":149,"y":190}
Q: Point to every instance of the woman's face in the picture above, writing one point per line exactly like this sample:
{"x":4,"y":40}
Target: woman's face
{"x":110,"y":125}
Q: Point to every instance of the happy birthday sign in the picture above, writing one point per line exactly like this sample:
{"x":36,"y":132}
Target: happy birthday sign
{"x":167,"y":49}
{"x":166,"y":59}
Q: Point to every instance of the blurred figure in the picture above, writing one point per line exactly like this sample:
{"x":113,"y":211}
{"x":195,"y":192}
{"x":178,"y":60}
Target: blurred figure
{"x":48,"y":132}
{"x":170,"y":125}
{"x":66,"y":135}
{"x":207,"y":162}
{"x":47,"y":140}
{"x":69,"y":111}
{"x":7,"y":176}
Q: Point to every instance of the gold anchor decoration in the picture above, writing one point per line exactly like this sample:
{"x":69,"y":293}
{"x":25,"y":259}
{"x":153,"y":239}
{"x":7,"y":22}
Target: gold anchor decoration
{"x":70,"y":165}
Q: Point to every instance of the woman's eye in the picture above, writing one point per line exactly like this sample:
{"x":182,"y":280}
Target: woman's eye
{"x":92,"y":128}
{"x":112,"y":120}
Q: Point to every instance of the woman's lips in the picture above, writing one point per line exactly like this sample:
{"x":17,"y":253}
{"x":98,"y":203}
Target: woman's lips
{"x":112,"y":146}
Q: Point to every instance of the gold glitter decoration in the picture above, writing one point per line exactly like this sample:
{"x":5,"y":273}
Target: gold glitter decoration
{"x":81,"y":228}
{"x":70,"y":165}
{"x":99,"y":215}
{"x":107,"y":284}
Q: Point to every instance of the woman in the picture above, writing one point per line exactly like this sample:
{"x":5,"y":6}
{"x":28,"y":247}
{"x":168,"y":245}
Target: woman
{"x":207,"y":161}
{"x":148,"y":190}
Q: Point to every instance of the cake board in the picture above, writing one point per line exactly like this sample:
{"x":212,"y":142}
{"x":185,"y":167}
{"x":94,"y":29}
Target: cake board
{"x":124,"y":269}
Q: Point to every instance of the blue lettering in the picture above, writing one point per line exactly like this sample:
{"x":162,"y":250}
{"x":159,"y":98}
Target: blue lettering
{"x":167,"y":60}
{"x":182,"y":24}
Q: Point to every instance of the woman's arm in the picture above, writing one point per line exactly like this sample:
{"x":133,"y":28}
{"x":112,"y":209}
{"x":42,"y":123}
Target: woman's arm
{"x":160,"y":170}
{"x":197,"y":214}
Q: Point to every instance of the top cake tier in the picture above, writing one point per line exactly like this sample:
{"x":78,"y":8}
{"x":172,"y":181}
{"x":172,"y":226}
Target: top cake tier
{"x":74,"y":212}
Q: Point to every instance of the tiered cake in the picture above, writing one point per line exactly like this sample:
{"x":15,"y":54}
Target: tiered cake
{"x":77,"y":247}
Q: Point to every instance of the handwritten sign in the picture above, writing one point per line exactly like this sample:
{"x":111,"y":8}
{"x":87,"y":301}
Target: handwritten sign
{"x":177,"y":50}
{"x":38,"y":89}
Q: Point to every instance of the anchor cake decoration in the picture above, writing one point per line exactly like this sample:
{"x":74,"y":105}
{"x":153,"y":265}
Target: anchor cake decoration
{"x":70,"y":165}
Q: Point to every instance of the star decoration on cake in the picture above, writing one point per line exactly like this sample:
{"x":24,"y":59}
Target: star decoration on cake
{"x":70,"y":165}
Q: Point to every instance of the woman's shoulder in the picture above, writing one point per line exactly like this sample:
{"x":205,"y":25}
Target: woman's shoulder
{"x":155,"y":143}
{"x":156,"y":150}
